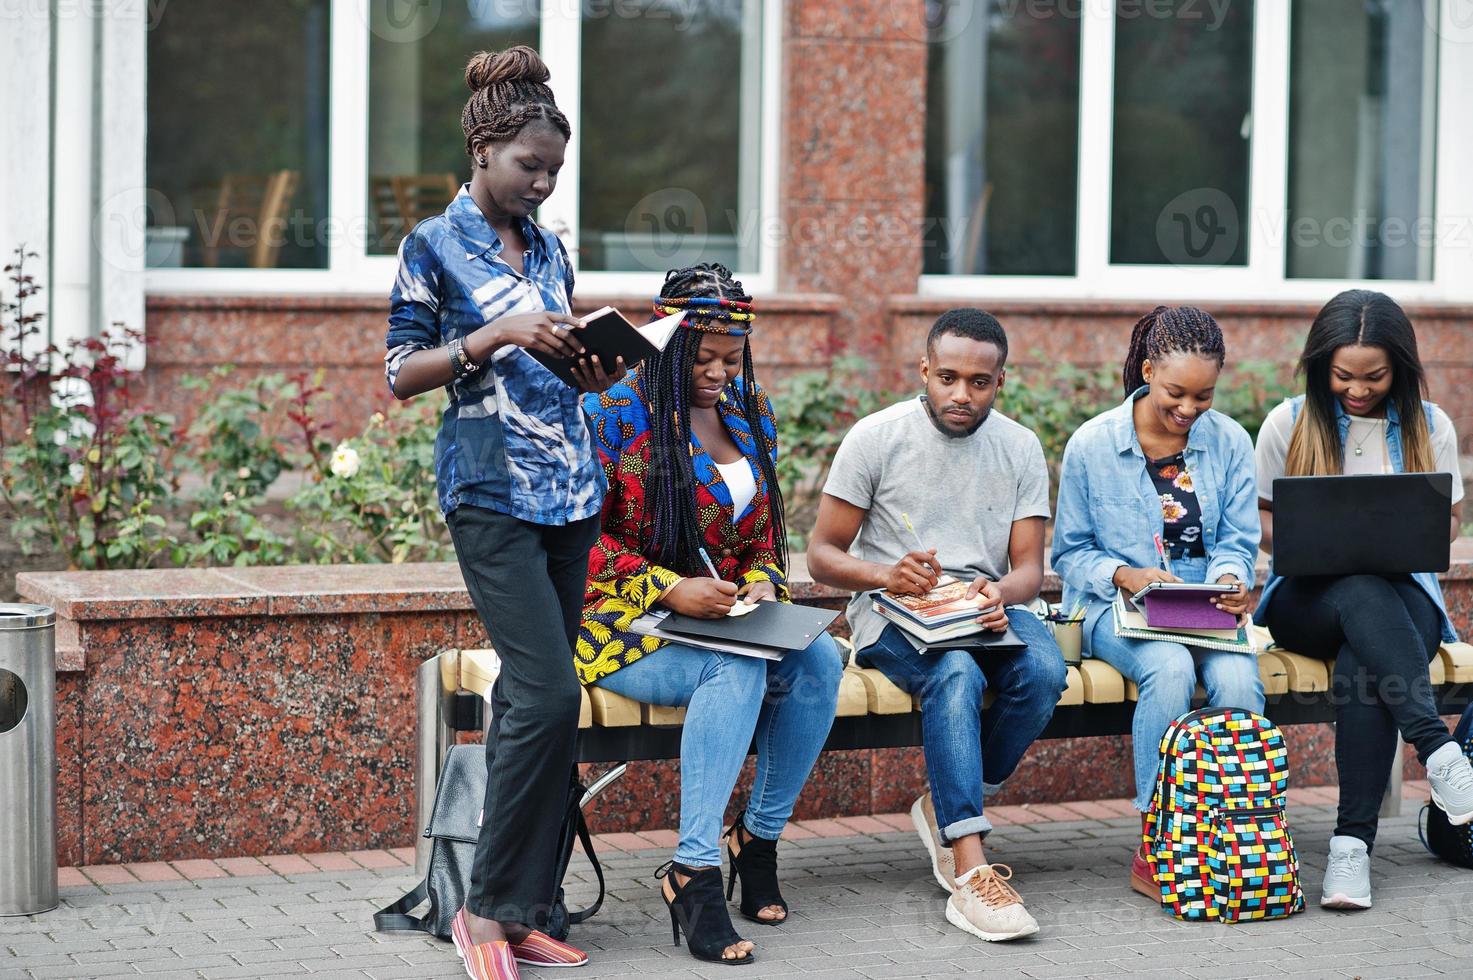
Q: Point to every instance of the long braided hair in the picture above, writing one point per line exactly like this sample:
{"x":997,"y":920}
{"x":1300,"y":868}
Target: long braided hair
{"x":508,"y":90}
{"x":665,"y":380}
{"x":1168,"y":330}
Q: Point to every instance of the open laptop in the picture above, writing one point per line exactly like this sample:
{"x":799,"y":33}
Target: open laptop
{"x":1391,"y":524}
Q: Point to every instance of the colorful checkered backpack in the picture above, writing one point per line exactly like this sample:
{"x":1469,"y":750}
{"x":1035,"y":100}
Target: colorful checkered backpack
{"x":1216,"y":833}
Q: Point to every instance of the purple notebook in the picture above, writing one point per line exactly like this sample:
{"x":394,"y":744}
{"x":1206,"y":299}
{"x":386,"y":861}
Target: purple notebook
{"x":1185,"y":610}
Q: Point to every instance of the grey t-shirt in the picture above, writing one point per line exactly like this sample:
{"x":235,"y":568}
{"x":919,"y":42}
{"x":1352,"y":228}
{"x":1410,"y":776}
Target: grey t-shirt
{"x":962,"y":495}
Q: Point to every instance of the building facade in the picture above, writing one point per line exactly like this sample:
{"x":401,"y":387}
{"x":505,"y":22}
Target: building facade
{"x":236,"y":175}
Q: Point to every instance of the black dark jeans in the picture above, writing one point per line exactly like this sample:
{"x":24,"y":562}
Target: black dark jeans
{"x":1382,"y":633}
{"x":527,"y":583}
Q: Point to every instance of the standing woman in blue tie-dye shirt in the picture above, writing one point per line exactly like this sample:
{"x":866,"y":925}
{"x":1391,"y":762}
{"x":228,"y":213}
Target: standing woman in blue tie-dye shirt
{"x":519,"y":481}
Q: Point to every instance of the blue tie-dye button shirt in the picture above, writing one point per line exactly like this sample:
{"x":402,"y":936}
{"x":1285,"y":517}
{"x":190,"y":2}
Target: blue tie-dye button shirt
{"x":514,"y":438}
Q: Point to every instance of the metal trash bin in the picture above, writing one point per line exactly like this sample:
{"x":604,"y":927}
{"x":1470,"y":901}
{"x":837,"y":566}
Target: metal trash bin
{"x":27,"y":759}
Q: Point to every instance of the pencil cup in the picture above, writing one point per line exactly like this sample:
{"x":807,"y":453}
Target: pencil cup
{"x":1069,"y":636}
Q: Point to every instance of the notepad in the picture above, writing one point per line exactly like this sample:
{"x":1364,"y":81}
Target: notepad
{"x":779,"y":625}
{"x":608,"y":335}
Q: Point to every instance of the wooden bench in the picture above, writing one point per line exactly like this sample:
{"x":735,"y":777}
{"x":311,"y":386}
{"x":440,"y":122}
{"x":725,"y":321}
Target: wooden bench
{"x":873,"y":713}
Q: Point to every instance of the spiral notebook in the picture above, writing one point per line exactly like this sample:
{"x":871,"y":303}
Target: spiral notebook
{"x":1131,"y":624}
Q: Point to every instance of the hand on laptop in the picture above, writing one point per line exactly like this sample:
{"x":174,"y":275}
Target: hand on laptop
{"x":1232,"y":602}
{"x":994,"y":616}
{"x":915,"y":574}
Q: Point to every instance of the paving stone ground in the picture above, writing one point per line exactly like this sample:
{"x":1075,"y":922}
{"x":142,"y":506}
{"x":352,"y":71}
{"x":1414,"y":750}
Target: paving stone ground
{"x":864,"y":908}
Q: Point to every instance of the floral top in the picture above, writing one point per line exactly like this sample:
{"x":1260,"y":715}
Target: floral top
{"x":1181,"y":513}
{"x":623,"y":583}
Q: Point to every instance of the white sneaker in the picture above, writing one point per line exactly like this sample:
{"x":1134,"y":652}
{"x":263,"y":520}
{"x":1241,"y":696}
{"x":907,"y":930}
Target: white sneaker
{"x":988,"y":907}
{"x":1451,"y":778}
{"x":943,"y":862}
{"x":1348,"y":875}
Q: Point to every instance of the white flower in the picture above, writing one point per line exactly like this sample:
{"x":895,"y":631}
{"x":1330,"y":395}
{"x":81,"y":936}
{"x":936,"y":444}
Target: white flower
{"x":77,"y":472}
{"x":229,"y":497}
{"x":244,"y":473}
{"x":345,"y":461}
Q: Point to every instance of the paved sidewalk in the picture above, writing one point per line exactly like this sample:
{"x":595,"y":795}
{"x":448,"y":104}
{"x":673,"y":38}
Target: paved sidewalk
{"x":865,"y":908}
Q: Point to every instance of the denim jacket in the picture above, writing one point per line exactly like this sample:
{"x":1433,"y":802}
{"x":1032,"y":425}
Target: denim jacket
{"x":1427,"y":580}
{"x":1109,"y":510}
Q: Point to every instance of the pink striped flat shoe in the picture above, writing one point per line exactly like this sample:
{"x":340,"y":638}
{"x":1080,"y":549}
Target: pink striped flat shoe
{"x":487,"y":961}
{"x":540,"y":949}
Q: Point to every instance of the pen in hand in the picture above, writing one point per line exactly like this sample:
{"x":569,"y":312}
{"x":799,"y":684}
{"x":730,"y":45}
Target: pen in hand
{"x":709,"y":567}
{"x":920,"y":545}
{"x":1164,"y":554}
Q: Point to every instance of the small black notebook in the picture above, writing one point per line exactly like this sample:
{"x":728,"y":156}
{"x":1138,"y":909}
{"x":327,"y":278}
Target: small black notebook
{"x":781,"y":625}
{"x":608,"y":335}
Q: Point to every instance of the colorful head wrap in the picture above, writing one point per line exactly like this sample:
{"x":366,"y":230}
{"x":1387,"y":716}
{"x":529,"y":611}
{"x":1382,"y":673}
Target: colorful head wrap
{"x":709,"y":314}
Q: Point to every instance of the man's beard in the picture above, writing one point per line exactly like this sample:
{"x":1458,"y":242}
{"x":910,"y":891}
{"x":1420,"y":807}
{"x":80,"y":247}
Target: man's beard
{"x":941,"y":428}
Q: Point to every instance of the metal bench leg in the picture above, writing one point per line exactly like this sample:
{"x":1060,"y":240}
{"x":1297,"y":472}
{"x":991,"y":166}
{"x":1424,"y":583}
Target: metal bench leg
{"x":1391,"y":802}
{"x":436,"y":682}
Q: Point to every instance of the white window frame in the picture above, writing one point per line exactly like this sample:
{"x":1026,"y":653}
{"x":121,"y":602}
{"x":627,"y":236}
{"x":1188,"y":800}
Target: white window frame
{"x":1263,"y":279}
{"x":352,"y":271}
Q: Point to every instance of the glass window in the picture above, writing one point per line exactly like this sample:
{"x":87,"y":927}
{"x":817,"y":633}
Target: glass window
{"x":669,"y":134}
{"x":237,"y":134}
{"x":1362,"y":134}
{"x":1002,"y":138}
{"x":1182,"y":124}
{"x":416,"y":91}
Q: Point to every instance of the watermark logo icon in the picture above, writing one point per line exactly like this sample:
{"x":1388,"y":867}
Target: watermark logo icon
{"x":666,"y":229}
{"x":1198,"y":227}
{"x":404,"y":21}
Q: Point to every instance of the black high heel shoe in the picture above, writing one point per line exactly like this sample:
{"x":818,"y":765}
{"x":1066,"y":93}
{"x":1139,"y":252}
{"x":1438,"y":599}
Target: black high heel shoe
{"x":756,"y":866}
{"x":698,"y":911}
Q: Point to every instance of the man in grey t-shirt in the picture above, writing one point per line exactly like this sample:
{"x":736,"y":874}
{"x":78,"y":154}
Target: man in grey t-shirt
{"x":942,"y":484}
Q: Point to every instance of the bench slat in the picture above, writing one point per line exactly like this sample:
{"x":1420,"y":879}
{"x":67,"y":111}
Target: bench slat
{"x":881,"y":695}
{"x":613,"y":710}
{"x":1306,"y":674}
{"x":1437,"y":670}
{"x":853,"y":695}
{"x":661,"y":714}
{"x":1457,"y":661}
{"x":1074,"y":692}
{"x":1102,"y":683}
{"x":585,"y":710}
{"x":478,"y":669}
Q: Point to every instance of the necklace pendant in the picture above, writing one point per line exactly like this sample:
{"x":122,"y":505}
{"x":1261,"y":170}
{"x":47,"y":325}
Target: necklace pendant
{"x":1357,"y":450}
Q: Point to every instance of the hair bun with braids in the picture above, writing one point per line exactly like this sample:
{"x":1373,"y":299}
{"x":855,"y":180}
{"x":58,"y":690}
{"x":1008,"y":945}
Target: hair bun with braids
{"x":518,"y":64}
{"x":508,"y":91}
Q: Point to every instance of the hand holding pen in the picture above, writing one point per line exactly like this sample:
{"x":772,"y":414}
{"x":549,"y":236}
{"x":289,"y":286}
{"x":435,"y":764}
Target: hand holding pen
{"x":918,"y":572}
{"x":703,"y":598}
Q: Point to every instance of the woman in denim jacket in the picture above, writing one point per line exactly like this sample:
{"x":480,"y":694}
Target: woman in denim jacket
{"x":1362,"y":413}
{"x":1161,"y":464}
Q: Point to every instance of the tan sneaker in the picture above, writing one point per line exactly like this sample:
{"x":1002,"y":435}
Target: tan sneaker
{"x":943,"y":862}
{"x":989,"y":908}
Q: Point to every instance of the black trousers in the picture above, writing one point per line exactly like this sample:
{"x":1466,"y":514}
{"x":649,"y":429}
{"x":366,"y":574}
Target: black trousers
{"x":1382,"y":632}
{"x":527,"y":583}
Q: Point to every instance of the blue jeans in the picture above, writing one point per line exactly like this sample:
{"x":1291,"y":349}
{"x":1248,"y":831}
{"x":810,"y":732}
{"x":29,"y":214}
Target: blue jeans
{"x":1166,"y":674}
{"x":789,"y":703}
{"x":969,"y":752}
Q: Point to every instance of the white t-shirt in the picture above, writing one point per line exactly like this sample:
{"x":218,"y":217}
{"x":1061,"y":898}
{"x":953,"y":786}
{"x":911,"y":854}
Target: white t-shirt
{"x":1368,"y":435}
{"x":962,"y":495}
{"x":741,"y":484}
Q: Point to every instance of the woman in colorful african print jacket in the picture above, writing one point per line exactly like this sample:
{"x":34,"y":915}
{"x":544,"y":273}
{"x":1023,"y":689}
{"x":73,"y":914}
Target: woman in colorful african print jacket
{"x":688,"y":443}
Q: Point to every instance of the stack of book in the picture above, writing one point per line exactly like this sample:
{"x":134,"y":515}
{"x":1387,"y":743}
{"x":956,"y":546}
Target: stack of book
{"x":1130,"y":621}
{"x":944,"y":613}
